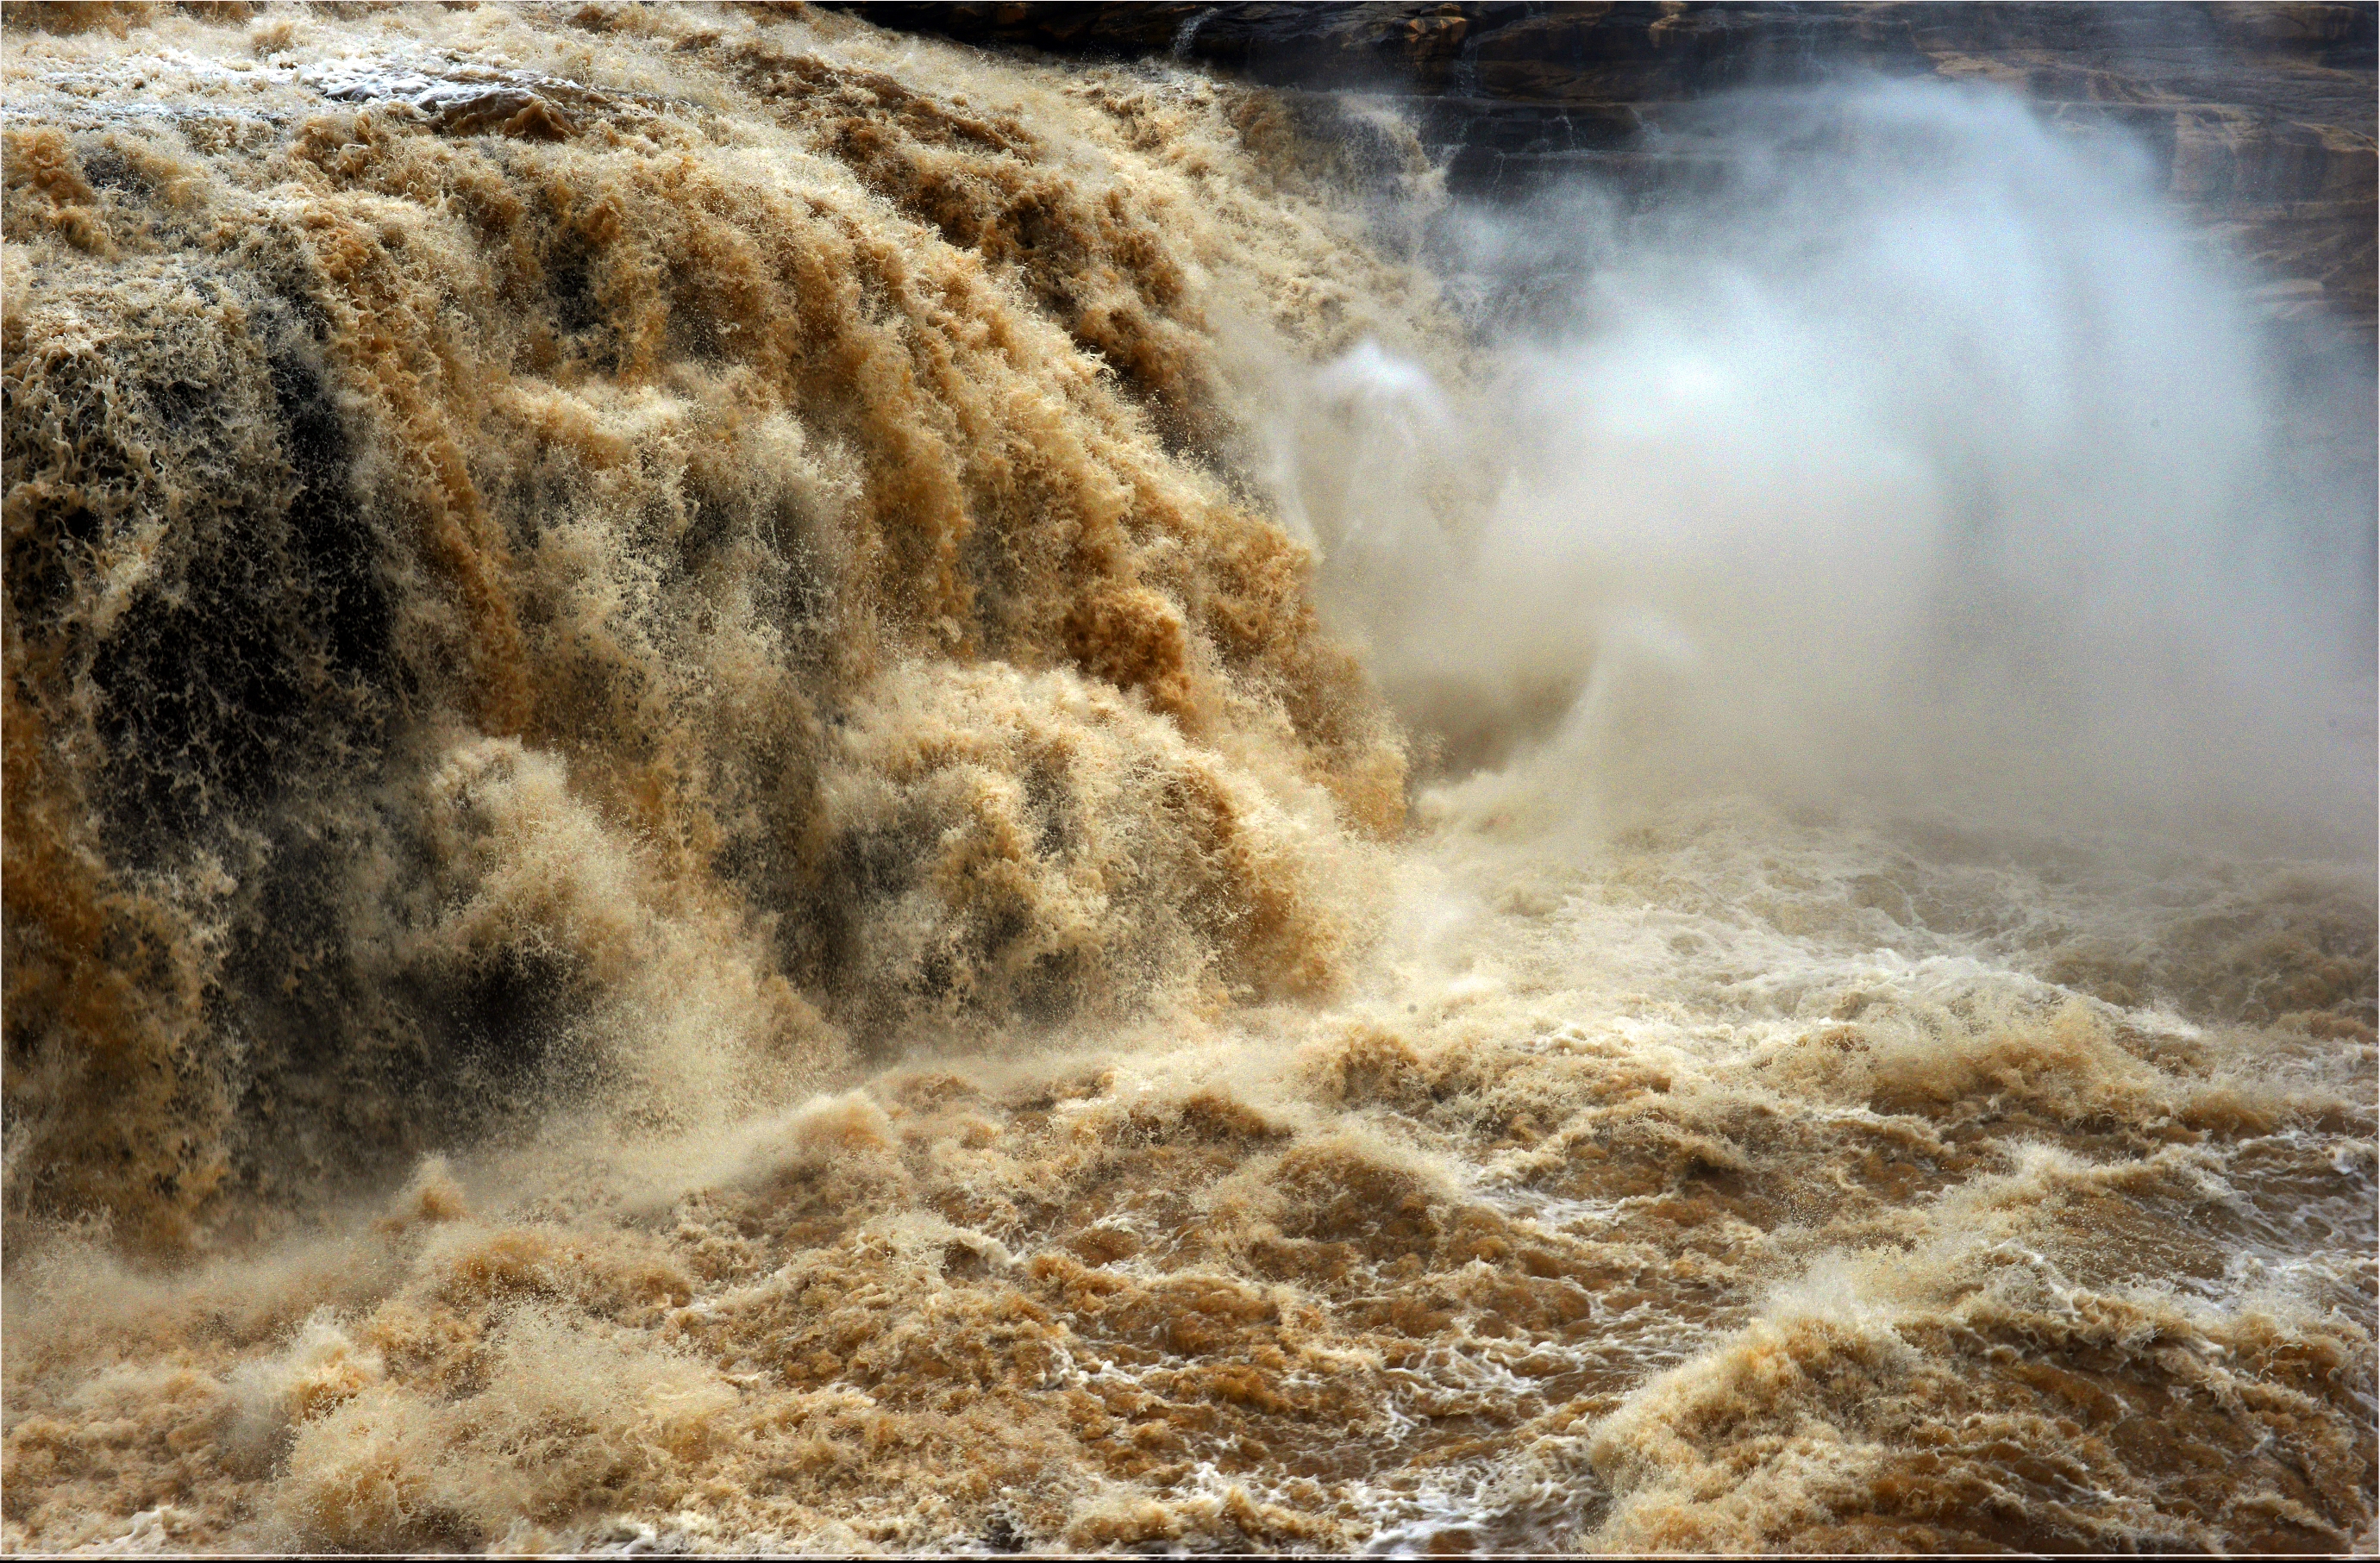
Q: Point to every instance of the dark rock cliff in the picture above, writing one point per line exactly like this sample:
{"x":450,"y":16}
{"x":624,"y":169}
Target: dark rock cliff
{"x":2260,"y":117}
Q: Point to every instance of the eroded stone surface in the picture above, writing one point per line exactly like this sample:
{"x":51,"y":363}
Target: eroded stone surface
{"x":2259,"y":117}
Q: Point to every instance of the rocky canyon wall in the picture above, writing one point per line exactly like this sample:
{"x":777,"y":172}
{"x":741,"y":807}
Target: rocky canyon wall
{"x":2259,"y":118}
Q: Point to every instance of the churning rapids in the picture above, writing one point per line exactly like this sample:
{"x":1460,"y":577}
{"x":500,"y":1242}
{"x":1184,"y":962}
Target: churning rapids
{"x":769,"y":786}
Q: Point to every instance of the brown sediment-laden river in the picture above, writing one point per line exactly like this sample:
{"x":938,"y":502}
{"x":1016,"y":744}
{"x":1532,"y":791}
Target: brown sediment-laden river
{"x":771,"y":786}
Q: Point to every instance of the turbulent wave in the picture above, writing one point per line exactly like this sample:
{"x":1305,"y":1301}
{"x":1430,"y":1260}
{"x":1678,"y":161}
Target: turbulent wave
{"x":772,"y":787}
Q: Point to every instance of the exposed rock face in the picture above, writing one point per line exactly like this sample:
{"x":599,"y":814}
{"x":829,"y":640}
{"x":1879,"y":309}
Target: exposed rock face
{"x":2260,"y":117}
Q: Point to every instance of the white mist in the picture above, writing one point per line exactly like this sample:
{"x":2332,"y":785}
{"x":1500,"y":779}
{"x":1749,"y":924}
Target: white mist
{"x":1931,"y":461}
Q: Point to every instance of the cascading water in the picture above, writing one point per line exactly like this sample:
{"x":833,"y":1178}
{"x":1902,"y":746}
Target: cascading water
{"x":768,"y":786}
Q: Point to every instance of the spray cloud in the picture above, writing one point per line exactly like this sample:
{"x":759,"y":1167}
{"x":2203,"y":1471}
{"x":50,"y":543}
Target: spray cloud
{"x":1923,"y":458}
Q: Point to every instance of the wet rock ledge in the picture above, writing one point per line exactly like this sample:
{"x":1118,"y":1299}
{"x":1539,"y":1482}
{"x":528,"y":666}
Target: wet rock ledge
{"x":2261,"y":117}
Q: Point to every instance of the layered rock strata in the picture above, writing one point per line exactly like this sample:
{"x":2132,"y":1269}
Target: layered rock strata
{"x":2259,"y":118}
